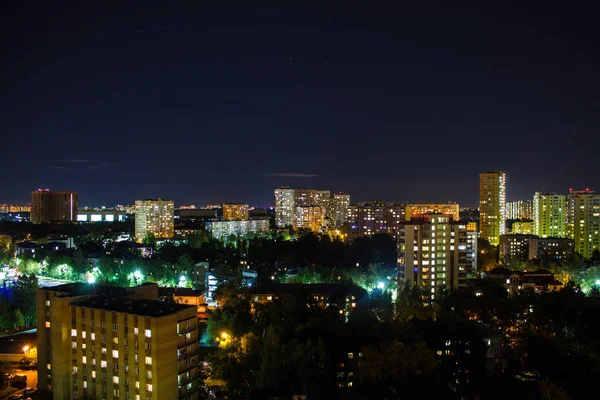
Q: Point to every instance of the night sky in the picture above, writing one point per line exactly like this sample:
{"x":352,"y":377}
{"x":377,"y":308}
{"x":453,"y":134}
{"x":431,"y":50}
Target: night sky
{"x":203,"y":105}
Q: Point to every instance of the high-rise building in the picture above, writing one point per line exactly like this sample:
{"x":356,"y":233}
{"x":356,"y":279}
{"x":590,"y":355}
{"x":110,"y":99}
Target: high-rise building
{"x":417,"y":209}
{"x":549,"y":214}
{"x":47,"y":206}
{"x":235,"y":212}
{"x":155,"y":217}
{"x":432,"y":252}
{"x":522,"y":209}
{"x":583,"y":221}
{"x":338,"y":210}
{"x":284,"y":206}
{"x":100,"y":341}
{"x":472,"y":251}
{"x":492,"y":206}
{"x":309,"y":217}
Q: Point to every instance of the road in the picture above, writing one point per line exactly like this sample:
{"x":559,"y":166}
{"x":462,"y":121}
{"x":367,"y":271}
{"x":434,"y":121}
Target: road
{"x":31,"y":382}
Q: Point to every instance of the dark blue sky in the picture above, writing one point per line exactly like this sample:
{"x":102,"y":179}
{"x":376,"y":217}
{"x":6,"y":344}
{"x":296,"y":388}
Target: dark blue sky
{"x":410,"y":102}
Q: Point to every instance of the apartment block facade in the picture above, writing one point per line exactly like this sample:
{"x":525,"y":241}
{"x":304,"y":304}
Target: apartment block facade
{"x":155,"y":217}
{"x":106,"y":342}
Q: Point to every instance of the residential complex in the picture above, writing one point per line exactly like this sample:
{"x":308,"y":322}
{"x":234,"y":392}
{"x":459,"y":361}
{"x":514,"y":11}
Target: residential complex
{"x":492,"y":206}
{"x":549,"y":214}
{"x":516,"y":248}
{"x":235,"y":212}
{"x":223,"y":229}
{"x":522,"y":209}
{"x":583,"y":221}
{"x":47,"y":206}
{"x":432,"y":252}
{"x":155,"y":217}
{"x":100,"y":342}
{"x":416,"y":209}
{"x":368,"y":218}
{"x":288,"y":201}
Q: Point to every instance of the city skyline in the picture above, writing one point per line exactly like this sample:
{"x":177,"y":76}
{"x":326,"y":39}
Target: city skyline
{"x":206,"y":104}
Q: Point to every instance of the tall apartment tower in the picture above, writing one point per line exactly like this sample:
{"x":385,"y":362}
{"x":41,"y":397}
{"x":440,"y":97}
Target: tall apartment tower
{"x":101,"y":342}
{"x":156,"y":217}
{"x":492,"y":206}
{"x":583,"y":221}
{"x":235,"y":212}
{"x":284,"y":206}
{"x":338,"y":209}
{"x":47,"y":206}
{"x":549,"y":215}
{"x":432,"y":251}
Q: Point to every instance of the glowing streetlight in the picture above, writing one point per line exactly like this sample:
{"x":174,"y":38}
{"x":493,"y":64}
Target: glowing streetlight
{"x":91,"y":280}
{"x":25,"y":348}
{"x":224,"y":335}
{"x":137,"y":274}
{"x":598,"y":282}
{"x":380,"y":285}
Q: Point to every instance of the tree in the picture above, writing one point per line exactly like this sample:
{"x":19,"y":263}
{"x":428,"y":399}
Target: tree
{"x":149,"y":239}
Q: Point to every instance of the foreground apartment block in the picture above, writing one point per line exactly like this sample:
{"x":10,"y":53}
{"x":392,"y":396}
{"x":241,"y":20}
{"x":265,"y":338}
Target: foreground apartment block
{"x":432,"y":253}
{"x":108,"y":342}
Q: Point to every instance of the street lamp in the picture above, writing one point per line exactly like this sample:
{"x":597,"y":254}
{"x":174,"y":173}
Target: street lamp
{"x":25,"y":348}
{"x":224,"y":335}
{"x":380,"y":285}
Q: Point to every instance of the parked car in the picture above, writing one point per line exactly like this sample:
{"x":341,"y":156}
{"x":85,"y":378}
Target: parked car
{"x":19,"y":381}
{"x":16,"y":397}
{"x":30,"y":392}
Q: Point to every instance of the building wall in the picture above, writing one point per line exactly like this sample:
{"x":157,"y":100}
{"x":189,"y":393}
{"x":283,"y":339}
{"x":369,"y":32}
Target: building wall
{"x":366,"y":219}
{"x":514,"y":248}
{"x":583,"y":221}
{"x":523,"y":227}
{"x":223,"y":229}
{"x":47,"y":206}
{"x":99,"y":354}
{"x":433,"y":253}
{"x":156,"y":217}
{"x":309,"y":217}
{"x":522,"y":209}
{"x":549,"y":212}
{"x":338,"y":209}
{"x":492,"y":206}
{"x":284,"y":207}
{"x":235,"y":212}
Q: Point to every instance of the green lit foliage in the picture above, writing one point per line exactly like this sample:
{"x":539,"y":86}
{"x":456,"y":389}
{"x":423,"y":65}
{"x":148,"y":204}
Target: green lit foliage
{"x":149,"y":239}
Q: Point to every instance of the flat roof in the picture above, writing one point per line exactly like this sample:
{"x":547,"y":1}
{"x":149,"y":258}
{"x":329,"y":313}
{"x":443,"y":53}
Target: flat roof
{"x":146,"y":308}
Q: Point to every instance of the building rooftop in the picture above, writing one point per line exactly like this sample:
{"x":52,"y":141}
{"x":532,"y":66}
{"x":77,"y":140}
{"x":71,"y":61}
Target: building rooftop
{"x":81,"y":289}
{"x":188,"y":292}
{"x":146,"y":308}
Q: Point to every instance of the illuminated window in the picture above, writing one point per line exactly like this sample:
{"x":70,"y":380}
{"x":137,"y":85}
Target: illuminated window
{"x":103,"y":364}
{"x":149,"y":360}
{"x":47,"y":324}
{"x":73,"y":332}
{"x":115,"y":353}
{"x":115,"y":379}
{"x":148,"y":333}
{"x":149,"y":387}
{"x":93,"y":374}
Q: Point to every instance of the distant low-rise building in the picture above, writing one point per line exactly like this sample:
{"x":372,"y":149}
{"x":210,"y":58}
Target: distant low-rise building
{"x":539,"y":281}
{"x":523,"y":228}
{"x":519,"y":248}
{"x":416,"y":209}
{"x":235,"y":212}
{"x":345,"y":297}
{"x":223,"y":229}
{"x":102,"y":215}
